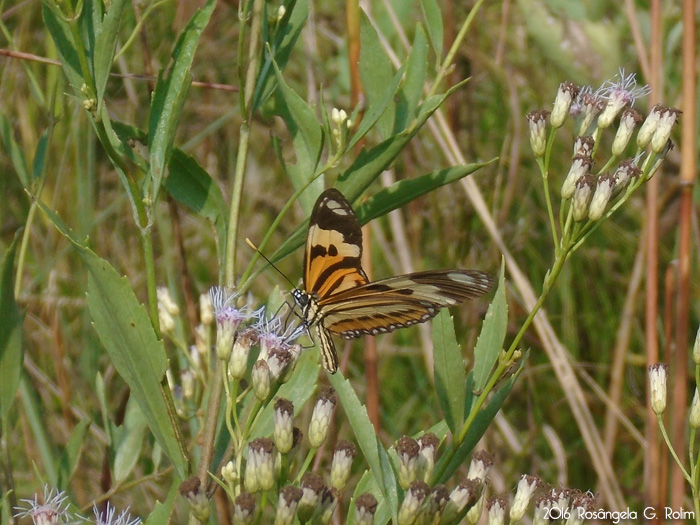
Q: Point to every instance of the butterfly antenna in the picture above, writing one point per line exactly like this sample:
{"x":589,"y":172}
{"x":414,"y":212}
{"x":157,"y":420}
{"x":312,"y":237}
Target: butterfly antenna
{"x":250,"y":243}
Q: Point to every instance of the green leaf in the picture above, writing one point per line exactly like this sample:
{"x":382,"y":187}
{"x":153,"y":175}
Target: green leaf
{"x":170,"y":95}
{"x":433,"y":22}
{"x":479,"y":426}
{"x":105,"y":46}
{"x":376,"y":110}
{"x":404,"y":191}
{"x":280,"y":44}
{"x":376,"y":72}
{"x":307,"y":137}
{"x":10,"y":337}
{"x":367,"y":440}
{"x":450,"y":377}
{"x":411,"y":89}
{"x":65,"y":45}
{"x":14,"y":151}
{"x":493,"y":333}
{"x":125,"y":330}
{"x":162,"y":510}
{"x":40,"y":155}
{"x":191,"y":185}
{"x":133,"y":432}
{"x":70,"y":457}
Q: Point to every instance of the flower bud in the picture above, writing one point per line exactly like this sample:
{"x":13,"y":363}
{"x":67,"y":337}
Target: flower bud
{"x":327,"y":506}
{"x":496,"y":509}
{"x":407,"y":452}
{"x":580,"y":166}
{"x":526,"y":488}
{"x":191,"y":490}
{"x":601,"y":197}
{"x":287,"y":505}
{"x":537,"y":120}
{"x":657,"y":384}
{"x":651,"y":123}
{"x":261,"y":380}
{"x":428,"y":444}
{"x":206,"y":309}
{"x":244,"y":509}
{"x":696,"y":348}
{"x":278,"y":359}
{"x":312,"y":488}
{"x":565,"y":96}
{"x":412,"y":502}
{"x":321,"y":416}
{"x":238,"y":362}
{"x":628,"y":121}
{"x":343,"y":455}
{"x":480,"y":465}
{"x":625,"y":172}
{"x":283,"y":433}
{"x":582,"y":197}
{"x":366,"y":506}
{"x":663,"y":131}
{"x":228,"y":473}
{"x":695,"y":411}
{"x":462,"y":496}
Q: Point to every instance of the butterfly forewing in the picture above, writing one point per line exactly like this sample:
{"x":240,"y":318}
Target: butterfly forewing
{"x":333,"y":247}
{"x":338,"y":298}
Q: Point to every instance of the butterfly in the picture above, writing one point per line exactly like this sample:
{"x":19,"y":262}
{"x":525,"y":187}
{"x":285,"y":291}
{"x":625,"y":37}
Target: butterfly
{"x":339,"y":298}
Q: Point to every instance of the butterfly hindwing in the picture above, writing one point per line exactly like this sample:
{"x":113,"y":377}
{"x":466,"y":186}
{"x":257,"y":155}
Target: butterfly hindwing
{"x":389,"y":304}
{"x":338,"y":297}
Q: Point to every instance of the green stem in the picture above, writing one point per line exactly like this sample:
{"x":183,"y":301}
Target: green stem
{"x":660,"y":420}
{"x":244,"y":140}
{"x":548,"y":200}
{"x":456,"y":45}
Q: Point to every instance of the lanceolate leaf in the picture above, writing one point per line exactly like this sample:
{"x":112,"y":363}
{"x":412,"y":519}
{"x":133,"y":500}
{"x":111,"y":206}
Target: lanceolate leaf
{"x":450,"y":376}
{"x":170,"y":94}
{"x":493,"y":333}
{"x":126,"y":332}
{"x":367,"y":439}
{"x":10,"y":337}
{"x":105,"y":45}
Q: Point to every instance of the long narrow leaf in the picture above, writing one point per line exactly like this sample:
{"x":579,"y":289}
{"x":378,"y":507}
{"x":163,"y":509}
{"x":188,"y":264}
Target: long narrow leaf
{"x":10,"y":337}
{"x":105,"y":46}
{"x":450,"y":376}
{"x":170,"y":94}
{"x":126,"y":332}
{"x":367,"y":439}
{"x":493,"y":333}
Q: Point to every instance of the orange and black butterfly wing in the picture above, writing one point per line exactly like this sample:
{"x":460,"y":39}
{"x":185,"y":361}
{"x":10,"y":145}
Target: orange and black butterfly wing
{"x":332,"y":264}
{"x":333,"y":247}
{"x":389,"y":304}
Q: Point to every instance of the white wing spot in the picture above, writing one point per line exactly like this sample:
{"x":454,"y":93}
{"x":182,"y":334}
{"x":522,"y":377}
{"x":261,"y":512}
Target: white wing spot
{"x":337,"y":207}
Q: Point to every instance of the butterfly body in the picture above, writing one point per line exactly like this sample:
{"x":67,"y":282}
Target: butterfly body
{"x":339,"y":298}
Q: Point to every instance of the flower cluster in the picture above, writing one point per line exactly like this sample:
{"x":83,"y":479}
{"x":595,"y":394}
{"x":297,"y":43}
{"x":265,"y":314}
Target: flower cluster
{"x":55,"y":510}
{"x":593,"y":194}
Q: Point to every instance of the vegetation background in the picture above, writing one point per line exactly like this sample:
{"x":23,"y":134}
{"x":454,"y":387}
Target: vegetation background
{"x":515,"y":55}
